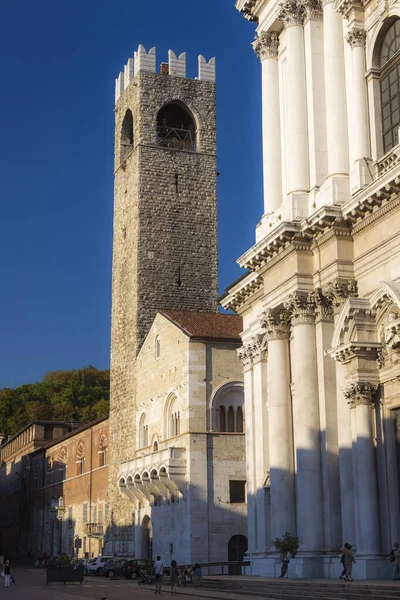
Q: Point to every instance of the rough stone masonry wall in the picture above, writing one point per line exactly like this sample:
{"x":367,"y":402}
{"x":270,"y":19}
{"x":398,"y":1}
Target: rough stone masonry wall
{"x":165,"y":229}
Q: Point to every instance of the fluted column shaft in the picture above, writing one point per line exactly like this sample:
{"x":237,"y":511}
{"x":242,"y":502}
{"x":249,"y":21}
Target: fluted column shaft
{"x":335,"y":91}
{"x":280,"y":428}
{"x":266,"y":47}
{"x":261,"y":466}
{"x":361,"y":399}
{"x":361,"y":144}
{"x":292,"y":17}
{"x":306,"y":422}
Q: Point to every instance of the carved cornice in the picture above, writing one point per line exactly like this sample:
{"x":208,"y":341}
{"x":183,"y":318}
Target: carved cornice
{"x":300,"y":309}
{"x":356,"y":37}
{"x":276,"y":324}
{"x":291,"y":12}
{"x":338,"y":291}
{"x":266,"y":45}
{"x":323,"y":305}
{"x":360,"y":393}
{"x":361,"y":350}
{"x":313,"y":9}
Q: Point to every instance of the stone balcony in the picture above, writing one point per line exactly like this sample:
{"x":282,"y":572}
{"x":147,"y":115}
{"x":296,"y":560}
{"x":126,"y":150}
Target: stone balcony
{"x":154,"y":475}
{"x":94,"y":530}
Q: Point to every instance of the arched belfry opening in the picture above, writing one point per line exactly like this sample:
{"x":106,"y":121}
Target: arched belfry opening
{"x":176,"y":128}
{"x":126,"y":134}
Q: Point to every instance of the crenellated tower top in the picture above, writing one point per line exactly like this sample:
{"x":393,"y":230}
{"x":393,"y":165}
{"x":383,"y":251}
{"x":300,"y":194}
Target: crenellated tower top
{"x":175,"y":67}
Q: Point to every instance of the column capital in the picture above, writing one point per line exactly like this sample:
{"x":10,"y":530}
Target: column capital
{"x":322,"y":304}
{"x":276,"y":324}
{"x":356,"y":37}
{"x":244,"y":356}
{"x":360,"y":393}
{"x":313,"y":9}
{"x":300,"y":309}
{"x":291,"y":12}
{"x":338,"y":291}
{"x":266,"y":45}
{"x":253,"y":351}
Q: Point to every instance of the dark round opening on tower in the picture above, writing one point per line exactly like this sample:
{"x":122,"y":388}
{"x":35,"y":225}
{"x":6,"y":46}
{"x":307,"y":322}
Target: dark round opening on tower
{"x":176,"y":128}
{"x":126,"y":134}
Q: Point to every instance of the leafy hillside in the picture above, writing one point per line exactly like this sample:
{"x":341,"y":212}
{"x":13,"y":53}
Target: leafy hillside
{"x":81,"y":395}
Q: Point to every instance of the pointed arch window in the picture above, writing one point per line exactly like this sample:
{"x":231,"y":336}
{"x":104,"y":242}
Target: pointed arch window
{"x":80,"y":458}
{"x":102,"y":452}
{"x":390,"y":86}
{"x":126,"y":134}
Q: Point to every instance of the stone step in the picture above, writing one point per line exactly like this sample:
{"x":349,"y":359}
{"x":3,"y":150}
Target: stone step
{"x":305,"y":590}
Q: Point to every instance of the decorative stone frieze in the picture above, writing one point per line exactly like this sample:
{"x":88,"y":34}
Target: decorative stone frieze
{"x":300,"y":309}
{"x":389,"y":336}
{"x":356,"y":37}
{"x":322,"y":304}
{"x":276,"y":324}
{"x":338,"y":291}
{"x":266,"y":45}
{"x":360,"y":393}
{"x":291,"y":12}
{"x":313,"y":9}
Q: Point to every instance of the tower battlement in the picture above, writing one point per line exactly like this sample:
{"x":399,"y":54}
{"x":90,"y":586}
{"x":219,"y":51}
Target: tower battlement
{"x":176,"y":67}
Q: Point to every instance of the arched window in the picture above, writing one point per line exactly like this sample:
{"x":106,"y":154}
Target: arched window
{"x":155,"y":446}
{"x":172,"y":417}
{"x":143,"y":431}
{"x":80,"y":458}
{"x":157,"y":346}
{"x":126,"y":134}
{"x":62,"y":463}
{"x":390,"y":86}
{"x":103,"y":451}
{"x":227,"y":412}
{"x":176,"y":128}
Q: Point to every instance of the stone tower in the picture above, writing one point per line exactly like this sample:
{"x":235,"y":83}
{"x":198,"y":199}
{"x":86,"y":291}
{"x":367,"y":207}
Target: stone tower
{"x":165,"y":219}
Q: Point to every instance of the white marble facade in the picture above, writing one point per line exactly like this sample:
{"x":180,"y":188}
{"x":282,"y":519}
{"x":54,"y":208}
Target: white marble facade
{"x":321,"y":300}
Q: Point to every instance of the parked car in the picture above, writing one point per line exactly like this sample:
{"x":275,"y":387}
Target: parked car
{"x":96,"y":565}
{"x":134,"y":567}
{"x":114,"y":568}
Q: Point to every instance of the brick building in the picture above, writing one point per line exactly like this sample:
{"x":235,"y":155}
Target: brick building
{"x":15,"y":479}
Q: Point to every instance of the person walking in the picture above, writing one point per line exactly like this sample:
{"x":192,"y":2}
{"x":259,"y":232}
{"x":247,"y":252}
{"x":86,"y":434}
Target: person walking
{"x":7,"y":574}
{"x":159,"y":569}
{"x":174,"y":576}
{"x":285,"y":561}
{"x":344,"y":572}
{"x":348,"y":561}
{"x":394,"y":557}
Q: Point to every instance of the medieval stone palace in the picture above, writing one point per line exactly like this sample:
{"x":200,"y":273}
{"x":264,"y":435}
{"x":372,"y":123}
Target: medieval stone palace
{"x":321,"y":297}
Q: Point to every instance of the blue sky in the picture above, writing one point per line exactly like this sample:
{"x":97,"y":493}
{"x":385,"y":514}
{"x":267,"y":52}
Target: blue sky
{"x":58,"y":62}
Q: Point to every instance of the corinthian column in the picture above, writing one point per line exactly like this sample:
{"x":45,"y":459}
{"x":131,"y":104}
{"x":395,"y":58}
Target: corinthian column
{"x":258,"y":349}
{"x":361,"y":144}
{"x":280,"y":436}
{"x":245,"y":355}
{"x":291,"y":15}
{"x":335,"y":88}
{"x":361,"y":397}
{"x":266,"y":47}
{"x":306,"y":425}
